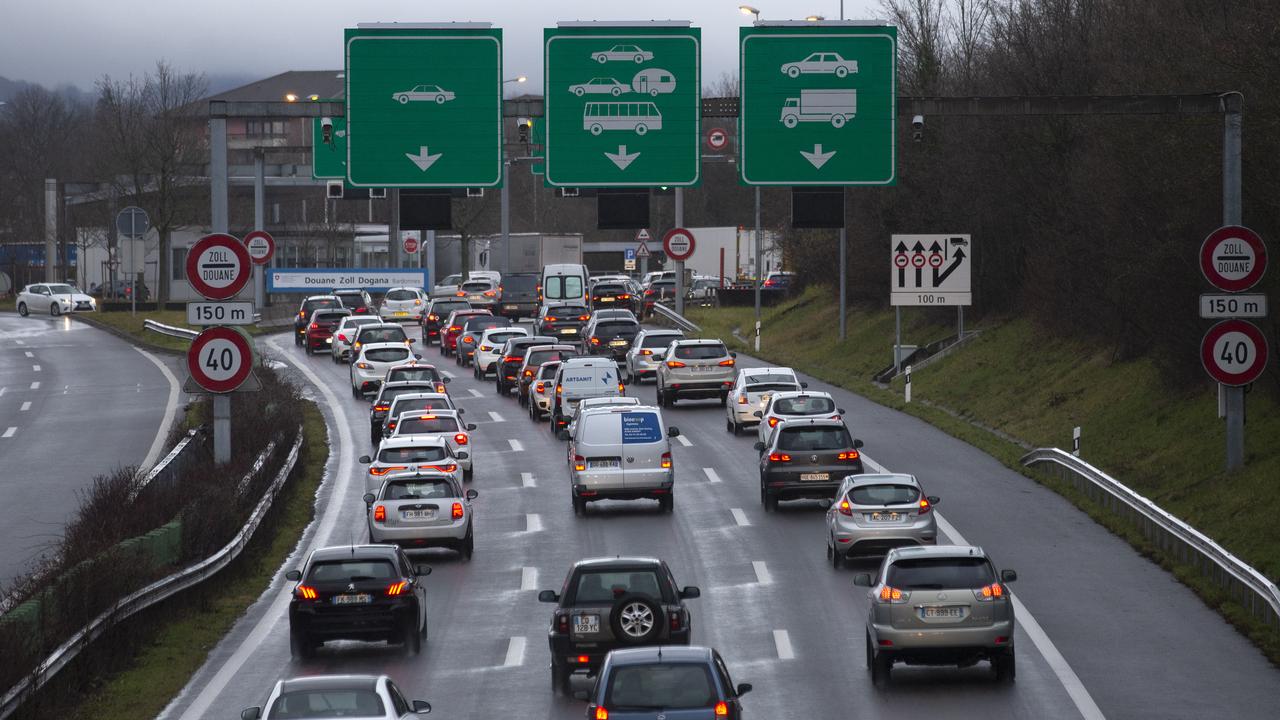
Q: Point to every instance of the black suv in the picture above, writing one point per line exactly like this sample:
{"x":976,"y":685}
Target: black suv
{"x":562,"y":321}
{"x":610,"y":336}
{"x":519,"y":295}
{"x":358,"y":592}
{"x":508,"y":366}
{"x":806,"y":459}
{"x":309,"y":306}
{"x":608,"y":294}
{"x":436,"y":315}
{"x":613,"y":603}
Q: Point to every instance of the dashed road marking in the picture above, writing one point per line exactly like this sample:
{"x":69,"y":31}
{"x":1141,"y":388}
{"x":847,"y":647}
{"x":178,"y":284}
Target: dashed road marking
{"x":35,"y":385}
{"x":21,"y":342}
{"x":515,"y":445}
{"x":762,"y":572}
{"x":711,"y":475}
{"x":684,"y":441}
{"x":29,"y":354}
{"x":9,"y":433}
{"x":496,"y":417}
{"x":515,"y":652}
{"x":25,"y":406}
{"x":739,"y":516}
{"x":35,"y":368}
{"x":782,"y":640}
{"x":532,"y":522}
{"x":528,"y":578}
{"x":475,"y":393}
{"x":526,"y":479}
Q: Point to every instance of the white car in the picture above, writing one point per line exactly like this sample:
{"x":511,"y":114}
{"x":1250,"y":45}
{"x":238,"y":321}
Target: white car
{"x":403,"y":303}
{"x":373,"y":362}
{"x":541,"y":389}
{"x":622,"y":52}
{"x":345,"y":334}
{"x":489,"y":349}
{"x":446,"y":424}
{"x":424,"y":93}
{"x":646,"y":353}
{"x":328,"y":696}
{"x":447,"y":287}
{"x":751,"y":392}
{"x":55,"y":299}
{"x":600,"y":86}
{"x":821,"y":63}
{"x":411,"y":453}
{"x":784,"y":406}
{"x":420,"y":510}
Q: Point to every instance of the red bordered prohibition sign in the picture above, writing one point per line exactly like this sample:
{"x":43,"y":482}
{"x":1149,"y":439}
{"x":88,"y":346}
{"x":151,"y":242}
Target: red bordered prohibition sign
{"x":220,"y":359}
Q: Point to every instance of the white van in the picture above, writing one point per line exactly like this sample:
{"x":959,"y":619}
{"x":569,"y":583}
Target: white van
{"x":564,"y":283}
{"x":579,"y":378}
{"x":621,"y":453}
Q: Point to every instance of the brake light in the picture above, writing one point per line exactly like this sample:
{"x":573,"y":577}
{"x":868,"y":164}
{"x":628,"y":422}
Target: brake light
{"x":417,"y":302}
{"x":675,"y":364}
{"x":579,"y":463}
{"x":461,"y":438}
{"x":559,"y":389}
{"x":773,"y":422}
{"x":381,"y":408}
{"x":457,"y":511}
{"x":490,"y":293}
{"x":924,"y":506}
{"x":675,"y":621}
{"x":455,"y":328}
{"x":549,"y":319}
{"x":647,"y":293}
{"x":722,"y":709}
{"x":451,"y":467}
{"x":994,"y":591}
{"x":621,"y":388}
{"x":541,"y":387}
{"x":846,"y":508}
{"x":562,"y":623}
{"x":364,"y":366}
{"x":584,"y":318}
{"x":342,"y":337}
{"x":646,"y":352}
{"x":624,"y":296}
{"x":486,"y":348}
{"x":397,"y":588}
{"x":380,"y":513}
{"x":306,"y":592}
{"x":302,"y":314}
{"x":849,"y":456}
{"x":380,"y":471}
{"x":315,"y":326}
{"x":727,"y":363}
{"x":511,"y":359}
{"x":892,"y":595}
{"x":528,"y":373}
{"x":432,"y":316}
{"x":742,"y":398}
{"x":666,"y":460}
{"x":595,"y":341}
{"x":602,"y":714}
{"x":461,"y":294}
{"x":468,"y":339}
{"x":779,"y":457}
{"x":440,"y":387}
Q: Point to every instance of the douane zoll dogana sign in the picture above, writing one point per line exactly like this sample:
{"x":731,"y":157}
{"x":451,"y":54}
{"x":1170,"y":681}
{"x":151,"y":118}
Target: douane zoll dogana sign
{"x":326,"y":279}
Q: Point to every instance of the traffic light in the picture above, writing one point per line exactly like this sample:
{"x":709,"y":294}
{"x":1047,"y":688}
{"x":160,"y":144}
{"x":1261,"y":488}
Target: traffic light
{"x":524,"y":129}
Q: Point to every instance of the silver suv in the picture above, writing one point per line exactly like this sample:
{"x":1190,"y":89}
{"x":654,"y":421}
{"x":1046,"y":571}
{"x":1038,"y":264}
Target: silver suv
{"x":941,"y":605}
{"x":873,"y":513}
{"x":695,"y":369}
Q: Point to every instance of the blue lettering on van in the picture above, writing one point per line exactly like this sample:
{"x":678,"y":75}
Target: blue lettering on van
{"x":640,"y":427}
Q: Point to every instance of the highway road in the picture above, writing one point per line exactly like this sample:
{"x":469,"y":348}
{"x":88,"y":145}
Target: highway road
{"x":1102,"y":632}
{"x":75,"y":402}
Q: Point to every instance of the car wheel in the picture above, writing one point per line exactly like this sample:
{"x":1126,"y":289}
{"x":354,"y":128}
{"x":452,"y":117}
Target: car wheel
{"x":737,"y":429}
{"x":468,"y":545}
{"x":837,"y":560}
{"x":724,"y":399}
{"x":793,"y":72}
{"x":412,"y":637}
{"x":579,"y":506}
{"x":297,"y":339}
{"x":54,"y":310}
{"x":770,"y":501}
{"x":636,"y":620}
{"x":559,"y":679}
{"x":881,"y":667}
{"x":1005,"y":667}
{"x":468,"y":474}
{"x":728,"y":426}
{"x":22,"y":309}
{"x":300,"y":645}
{"x":667,"y":503}
{"x":524,"y":400}
{"x":841,"y":72}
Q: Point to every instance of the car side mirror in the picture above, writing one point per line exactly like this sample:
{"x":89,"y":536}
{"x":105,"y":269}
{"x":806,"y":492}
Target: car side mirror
{"x":472,"y":494}
{"x":804,"y":386}
{"x":252,"y":713}
{"x":421,"y":707}
{"x":463,"y":455}
{"x":416,"y":355}
{"x":689,"y":592}
{"x":743,"y":689}
{"x":862,"y":579}
{"x":462,"y":411}
{"x":840,"y":410}
{"x":365,"y":460}
{"x":294,"y":575}
{"x":1008,"y":575}
{"x":422,"y":570}
{"x":759,"y":446}
{"x":548,"y":596}
{"x":562,"y":435}
{"x":673,"y":431}
{"x":446,"y":380}
{"x":933,"y":499}
{"x":369,"y":498}
{"x":733,"y":354}
{"x":471,"y":426}
{"x":758,"y":413}
{"x":857,"y":444}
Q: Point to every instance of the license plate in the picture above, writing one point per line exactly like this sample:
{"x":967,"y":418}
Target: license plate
{"x":884,"y":516}
{"x":401,"y":313}
{"x":606,"y":299}
{"x":586,"y":623}
{"x":605,"y":464}
{"x":954,"y":611}
{"x":805,"y":477}
{"x":361,"y":599}
{"x":569,"y":331}
{"x":418,"y":514}
{"x":476,"y":298}
{"x":510,"y":307}
{"x":617,"y":343}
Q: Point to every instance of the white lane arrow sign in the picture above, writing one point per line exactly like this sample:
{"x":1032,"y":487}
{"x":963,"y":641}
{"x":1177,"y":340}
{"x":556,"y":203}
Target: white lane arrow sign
{"x":817,"y":158}
{"x":423,"y":160}
{"x":621,"y":158}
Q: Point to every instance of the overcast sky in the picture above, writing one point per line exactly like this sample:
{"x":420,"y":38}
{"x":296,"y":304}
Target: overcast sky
{"x":77,"y":41}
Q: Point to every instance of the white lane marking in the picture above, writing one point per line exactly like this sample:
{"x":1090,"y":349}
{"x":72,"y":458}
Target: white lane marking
{"x":475,"y":393}
{"x":515,"y":652}
{"x":532,"y":522}
{"x":496,"y":417}
{"x":762,"y":572}
{"x":35,"y":385}
{"x":1080,"y":696}
{"x":711,"y":475}
{"x":35,"y":368}
{"x":2,"y":389}
{"x":739,"y":516}
{"x":199,"y":708}
{"x":9,"y":433}
{"x":782,"y":640}
{"x":29,"y":354}
{"x":21,"y":342}
{"x":515,"y":445}
{"x":684,"y":441}
{"x":526,"y":479}
{"x":25,"y":406}
{"x":528,"y":578}
{"x":170,"y":409}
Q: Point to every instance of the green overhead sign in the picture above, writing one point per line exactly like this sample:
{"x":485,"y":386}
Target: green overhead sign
{"x":329,"y":158}
{"x":424,"y":106}
{"x":819,"y":103}
{"x":623,"y":105}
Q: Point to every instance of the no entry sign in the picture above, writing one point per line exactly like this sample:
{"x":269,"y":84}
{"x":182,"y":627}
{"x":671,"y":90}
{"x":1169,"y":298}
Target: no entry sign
{"x":261,"y":246}
{"x":679,"y":244}
{"x":218,"y":266}
{"x":1234,"y":352}
{"x":1233,"y":258}
{"x":411,"y":244}
{"x":220,"y":359}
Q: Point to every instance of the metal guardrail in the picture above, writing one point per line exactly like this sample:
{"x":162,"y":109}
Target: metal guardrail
{"x":165,"y":468}
{"x":1253,"y":590}
{"x":150,"y":595}
{"x":169,"y":330}
{"x":681,"y":321}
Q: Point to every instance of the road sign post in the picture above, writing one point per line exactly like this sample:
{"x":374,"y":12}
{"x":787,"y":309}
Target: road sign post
{"x":642,"y":251}
{"x":424,"y":105}
{"x":623,"y":104}
{"x":132,"y":222}
{"x":929,"y":270}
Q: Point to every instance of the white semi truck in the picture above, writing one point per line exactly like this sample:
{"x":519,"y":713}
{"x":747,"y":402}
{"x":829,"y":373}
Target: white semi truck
{"x":834,"y":106}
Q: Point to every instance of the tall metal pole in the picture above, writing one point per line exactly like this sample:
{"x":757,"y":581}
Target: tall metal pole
{"x":50,"y":229}
{"x":680,"y":263}
{"x":221,"y":222}
{"x":897,"y":342}
{"x":394,"y":259}
{"x":759,"y":262}
{"x":1232,"y":214}
{"x":506,"y":204}
{"x":844,"y":272}
{"x":259,"y":217}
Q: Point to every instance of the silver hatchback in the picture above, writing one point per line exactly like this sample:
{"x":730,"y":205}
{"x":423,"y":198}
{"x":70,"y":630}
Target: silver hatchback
{"x":875,"y":513}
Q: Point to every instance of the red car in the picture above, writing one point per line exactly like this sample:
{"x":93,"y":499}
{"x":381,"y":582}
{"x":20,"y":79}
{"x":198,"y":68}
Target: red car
{"x":319,"y":333}
{"x":452,"y":328}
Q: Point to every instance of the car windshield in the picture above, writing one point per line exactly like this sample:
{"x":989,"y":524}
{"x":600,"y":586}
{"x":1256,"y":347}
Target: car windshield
{"x":419,"y":490}
{"x":659,"y":341}
{"x":884,"y":495}
{"x":414,"y":404}
{"x":614,"y":328}
{"x":382,"y":334}
{"x":563,"y":286}
{"x":425,"y":424}
{"x":387,"y":354}
{"x":351,"y":569}
{"x":328,"y":703}
{"x":602,"y":588}
{"x":396,"y":456}
{"x":940,"y":573}
{"x":700,"y":352}
{"x":402,"y":295}
{"x":519,"y":283}
{"x":548,"y":370}
{"x":416,"y":374}
{"x":814,"y":438}
{"x":61,"y":289}
{"x":665,"y":686}
{"x":804,"y":406}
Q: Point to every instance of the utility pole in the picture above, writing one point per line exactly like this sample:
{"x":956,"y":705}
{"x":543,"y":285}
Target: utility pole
{"x":394,"y":259}
{"x":221,"y":222}
{"x":759,"y":280}
{"x":50,"y":229}
{"x":1232,"y":214}
{"x":679,"y":263}
{"x":259,"y":218}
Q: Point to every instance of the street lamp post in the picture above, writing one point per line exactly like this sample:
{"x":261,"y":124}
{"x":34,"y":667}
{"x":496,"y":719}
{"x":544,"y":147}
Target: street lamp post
{"x":505,"y":191}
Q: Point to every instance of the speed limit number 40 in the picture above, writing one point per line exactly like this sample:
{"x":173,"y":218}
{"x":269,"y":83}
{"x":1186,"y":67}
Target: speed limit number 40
{"x":1234,"y":352}
{"x":220,"y":359}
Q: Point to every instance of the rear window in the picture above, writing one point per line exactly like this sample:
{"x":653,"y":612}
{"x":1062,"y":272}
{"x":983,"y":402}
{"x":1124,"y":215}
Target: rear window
{"x":618,"y":327}
{"x":329,"y":318}
{"x":659,"y":341}
{"x":351,"y":570}
{"x":940,"y":573}
{"x":548,"y":370}
{"x":884,"y":495}
{"x":610,"y":289}
{"x":482,"y":323}
{"x":414,"y":374}
{"x":397,"y":456}
{"x":444,"y":308}
{"x":770,"y":379}
{"x":419,"y":490}
{"x":352,"y":301}
{"x":681,"y":686}
{"x":419,"y":424}
{"x":358,"y":321}
{"x":477,"y":285}
{"x":537,"y":357}
{"x":520,"y":283}
{"x":413,"y":404}
{"x":327,"y":703}
{"x":602,"y":588}
{"x":559,"y":287}
{"x":814,"y":438}
{"x":387,"y":354}
{"x":700,"y":352}
{"x":382,"y":334}
{"x":312,"y":305}
{"x":568,"y":312}
{"x":804,"y":406}
{"x":501,"y":337}
{"x":402,"y":295}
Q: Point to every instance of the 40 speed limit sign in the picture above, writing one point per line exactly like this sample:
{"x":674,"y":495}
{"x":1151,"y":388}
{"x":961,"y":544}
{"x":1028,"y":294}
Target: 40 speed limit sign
{"x":220,"y":359}
{"x":1234,"y":352}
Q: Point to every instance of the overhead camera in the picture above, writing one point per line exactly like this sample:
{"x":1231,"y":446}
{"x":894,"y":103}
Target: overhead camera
{"x":917,"y":128}
{"x":326,"y":130}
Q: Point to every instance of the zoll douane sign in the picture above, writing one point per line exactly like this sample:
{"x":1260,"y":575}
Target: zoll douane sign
{"x":218,"y":266}
{"x":220,"y":359}
{"x":261,"y":246}
{"x":678,"y":244}
{"x":1233,"y":258}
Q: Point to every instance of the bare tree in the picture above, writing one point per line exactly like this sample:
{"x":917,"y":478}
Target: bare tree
{"x":724,"y":86}
{"x":920,"y":42}
{"x":39,"y":133}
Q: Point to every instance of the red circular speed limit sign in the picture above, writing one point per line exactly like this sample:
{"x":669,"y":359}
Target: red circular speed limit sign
{"x":1234,"y":352}
{"x":261,"y":246}
{"x":218,"y":266}
{"x":679,"y":244}
{"x":220,"y":359}
{"x":1233,"y":258}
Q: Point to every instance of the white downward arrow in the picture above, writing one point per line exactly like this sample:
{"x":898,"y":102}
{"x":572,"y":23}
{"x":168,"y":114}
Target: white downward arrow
{"x":621,"y":158}
{"x":817,"y":158}
{"x":422,"y":159}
